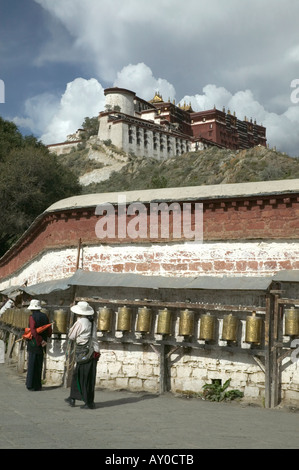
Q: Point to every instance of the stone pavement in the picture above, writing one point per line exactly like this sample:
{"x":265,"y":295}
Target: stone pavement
{"x":126,"y":420}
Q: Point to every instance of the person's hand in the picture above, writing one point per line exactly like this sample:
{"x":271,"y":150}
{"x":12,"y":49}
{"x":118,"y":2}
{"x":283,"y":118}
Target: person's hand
{"x":44,"y":343}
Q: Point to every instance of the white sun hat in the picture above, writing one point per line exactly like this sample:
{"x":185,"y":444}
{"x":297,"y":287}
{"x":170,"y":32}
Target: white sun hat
{"x":82,"y":308}
{"x":34,"y":305}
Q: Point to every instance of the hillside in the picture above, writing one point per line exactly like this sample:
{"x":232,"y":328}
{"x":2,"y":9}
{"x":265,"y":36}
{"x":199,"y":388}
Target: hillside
{"x":103,"y":168}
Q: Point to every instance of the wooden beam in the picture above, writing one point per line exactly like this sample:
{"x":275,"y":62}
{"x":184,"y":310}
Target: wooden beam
{"x":268,"y":368}
{"x":177,"y":305}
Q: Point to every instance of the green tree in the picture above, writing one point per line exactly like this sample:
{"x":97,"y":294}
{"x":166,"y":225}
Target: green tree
{"x":90,"y":127}
{"x":31,"y":179}
{"x":10,"y":137}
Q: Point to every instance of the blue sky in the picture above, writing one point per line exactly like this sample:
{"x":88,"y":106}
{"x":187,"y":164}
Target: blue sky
{"x":57,"y":56}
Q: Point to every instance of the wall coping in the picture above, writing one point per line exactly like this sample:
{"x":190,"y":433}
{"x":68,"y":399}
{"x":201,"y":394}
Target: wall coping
{"x":236,"y":190}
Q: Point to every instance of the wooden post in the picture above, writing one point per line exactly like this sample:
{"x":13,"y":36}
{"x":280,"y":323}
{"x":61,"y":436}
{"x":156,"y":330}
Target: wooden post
{"x":78,"y":253}
{"x":274,"y":388}
{"x":163,"y":360}
{"x":268,"y":368}
{"x":163,"y":369}
{"x":10,"y":346}
{"x":21,"y":357}
{"x":69,"y":353}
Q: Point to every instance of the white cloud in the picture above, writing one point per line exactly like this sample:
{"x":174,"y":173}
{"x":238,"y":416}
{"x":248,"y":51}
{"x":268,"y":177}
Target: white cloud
{"x":52,"y":119}
{"x":82,"y":98}
{"x":139,"y":78}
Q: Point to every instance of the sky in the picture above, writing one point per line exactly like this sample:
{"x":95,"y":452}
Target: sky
{"x":58,"y":56}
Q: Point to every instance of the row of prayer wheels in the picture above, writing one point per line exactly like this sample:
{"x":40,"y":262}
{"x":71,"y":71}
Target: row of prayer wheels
{"x":19,"y":318}
{"x":253,"y":330}
{"x":186,"y":324}
{"x":16,"y":317}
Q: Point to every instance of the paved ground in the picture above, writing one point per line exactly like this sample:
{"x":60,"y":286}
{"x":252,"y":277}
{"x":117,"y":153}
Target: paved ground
{"x":124,"y":420}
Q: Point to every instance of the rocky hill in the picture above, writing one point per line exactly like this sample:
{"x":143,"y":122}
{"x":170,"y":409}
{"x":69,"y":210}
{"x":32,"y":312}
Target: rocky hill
{"x":103,"y":168}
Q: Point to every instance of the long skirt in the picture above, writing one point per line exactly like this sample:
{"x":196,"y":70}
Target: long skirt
{"x":34,"y":371}
{"x":83,"y":382}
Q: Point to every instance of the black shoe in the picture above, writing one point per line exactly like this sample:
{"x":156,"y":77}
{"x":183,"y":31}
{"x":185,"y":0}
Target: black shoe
{"x":70,"y":401}
{"x":91,"y":406}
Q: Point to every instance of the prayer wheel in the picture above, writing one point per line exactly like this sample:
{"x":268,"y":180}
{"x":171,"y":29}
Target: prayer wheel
{"x":292,"y":322}
{"x":164,"y":322}
{"x":105,"y":319}
{"x":186,"y":325}
{"x":60,"y":321}
{"x":207,"y":327}
{"x":253,"y":329}
{"x":4,"y":317}
{"x":124,"y":319}
{"x":25,"y":318}
{"x":230,"y":327}
{"x":144,"y":320}
{"x":7,"y":316}
{"x":12,"y":317}
{"x":18,"y":318}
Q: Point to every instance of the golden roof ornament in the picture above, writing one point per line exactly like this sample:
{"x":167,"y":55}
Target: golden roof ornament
{"x":186,"y":107}
{"x":157,"y":98}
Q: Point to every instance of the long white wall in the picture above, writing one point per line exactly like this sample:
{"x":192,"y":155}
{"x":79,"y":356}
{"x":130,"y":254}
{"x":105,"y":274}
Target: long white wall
{"x":186,"y":259}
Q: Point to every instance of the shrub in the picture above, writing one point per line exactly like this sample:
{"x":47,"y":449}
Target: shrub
{"x":217,"y":392}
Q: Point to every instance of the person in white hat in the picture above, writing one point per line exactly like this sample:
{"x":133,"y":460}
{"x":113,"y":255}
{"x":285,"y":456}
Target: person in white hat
{"x":36,"y":346}
{"x":84,"y":333}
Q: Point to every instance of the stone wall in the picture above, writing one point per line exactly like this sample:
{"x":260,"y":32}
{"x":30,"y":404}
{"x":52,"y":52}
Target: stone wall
{"x":64,"y":147}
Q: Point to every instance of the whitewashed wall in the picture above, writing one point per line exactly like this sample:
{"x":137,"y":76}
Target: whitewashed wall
{"x":187,"y":259}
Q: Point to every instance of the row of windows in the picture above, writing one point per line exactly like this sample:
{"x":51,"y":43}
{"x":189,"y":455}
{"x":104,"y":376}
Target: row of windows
{"x":158,"y":140}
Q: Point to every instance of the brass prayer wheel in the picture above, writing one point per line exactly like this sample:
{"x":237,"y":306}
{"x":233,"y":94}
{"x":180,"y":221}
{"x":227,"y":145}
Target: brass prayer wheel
{"x":24,"y":318}
{"x":24,"y":321}
{"x":230,"y":327}
{"x":144,"y":320}
{"x":18,"y":318}
{"x":9,"y":316}
{"x":253,"y":329}
{"x":124,"y":319}
{"x":4,"y":317}
{"x":12,"y":317}
{"x":105,"y":319}
{"x":207,"y":327}
{"x":292,"y":322}
{"x":164,"y":322}
{"x":186,"y":325}
{"x":60,"y":321}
